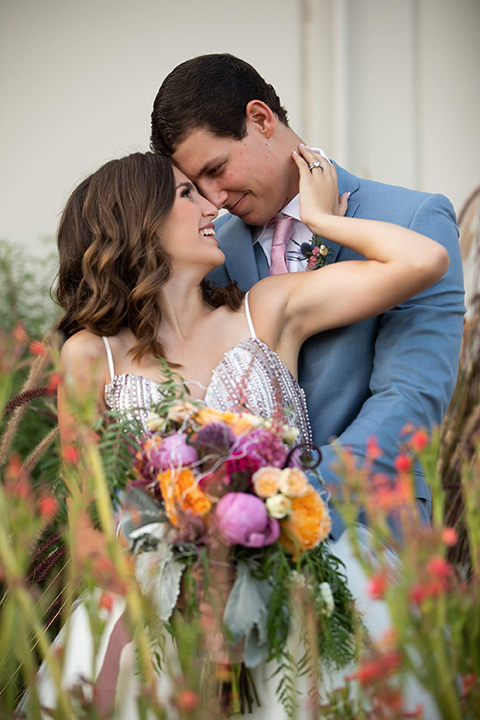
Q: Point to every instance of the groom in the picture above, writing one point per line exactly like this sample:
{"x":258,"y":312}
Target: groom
{"x":225,"y":128}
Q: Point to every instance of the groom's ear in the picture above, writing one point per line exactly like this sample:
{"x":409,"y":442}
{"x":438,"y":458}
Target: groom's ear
{"x":261,"y":117}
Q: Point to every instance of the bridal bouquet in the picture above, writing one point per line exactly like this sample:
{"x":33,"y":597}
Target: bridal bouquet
{"x":217,"y":491}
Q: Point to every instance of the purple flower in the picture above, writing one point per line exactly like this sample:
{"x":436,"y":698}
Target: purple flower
{"x":175,"y":452}
{"x":243,"y":519}
{"x":215,"y":438}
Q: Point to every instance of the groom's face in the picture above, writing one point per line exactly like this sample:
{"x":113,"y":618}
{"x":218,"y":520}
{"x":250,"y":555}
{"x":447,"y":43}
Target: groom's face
{"x":245,"y":176}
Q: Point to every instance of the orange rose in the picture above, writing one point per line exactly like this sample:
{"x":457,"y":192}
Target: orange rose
{"x":265,"y":481}
{"x":239,"y":423}
{"x":307,"y":525}
{"x":180,"y":491}
{"x":207,"y":415}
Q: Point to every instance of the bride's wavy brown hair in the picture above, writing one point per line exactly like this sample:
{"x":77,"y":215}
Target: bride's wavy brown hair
{"x":111,"y":260}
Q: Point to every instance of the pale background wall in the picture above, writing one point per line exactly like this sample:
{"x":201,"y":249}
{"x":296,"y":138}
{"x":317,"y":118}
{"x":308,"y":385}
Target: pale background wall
{"x":389,"y":88}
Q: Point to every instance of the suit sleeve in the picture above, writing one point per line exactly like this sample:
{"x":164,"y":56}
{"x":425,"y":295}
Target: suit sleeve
{"x":416,"y":355}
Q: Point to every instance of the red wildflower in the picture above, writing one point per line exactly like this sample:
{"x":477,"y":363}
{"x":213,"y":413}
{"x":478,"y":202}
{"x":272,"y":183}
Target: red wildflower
{"x":54,"y":381}
{"x":373,"y":450}
{"x":47,"y":507}
{"x":106,"y":602}
{"x":377,"y":585}
{"x":468,"y":681}
{"x":440,"y":569}
{"x":37,"y":348}
{"x":378,"y":668}
{"x":419,"y":440}
{"x":403,"y":463}
{"x":436,"y":582}
{"x":19,"y":334}
{"x":17,"y":481}
{"x":71,"y":454}
{"x":449,"y":536}
{"x":187,"y":700}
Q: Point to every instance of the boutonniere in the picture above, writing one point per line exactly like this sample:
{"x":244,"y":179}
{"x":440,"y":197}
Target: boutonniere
{"x":315,"y":252}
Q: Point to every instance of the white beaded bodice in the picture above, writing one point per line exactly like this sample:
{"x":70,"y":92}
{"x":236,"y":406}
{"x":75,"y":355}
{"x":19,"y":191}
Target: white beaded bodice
{"x":250,"y":376}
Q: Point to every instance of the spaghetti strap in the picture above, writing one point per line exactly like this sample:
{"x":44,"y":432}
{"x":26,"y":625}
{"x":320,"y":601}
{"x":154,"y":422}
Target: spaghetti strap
{"x":109,"y":356}
{"x":249,"y":317}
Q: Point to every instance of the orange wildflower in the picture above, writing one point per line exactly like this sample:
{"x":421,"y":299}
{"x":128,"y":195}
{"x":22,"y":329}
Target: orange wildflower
{"x":403,"y":463}
{"x":309,"y":523}
{"x":71,"y":454}
{"x":180,"y":491}
{"x":449,"y":536}
{"x":377,"y":586}
{"x":373,"y":450}
{"x":48,"y":507}
{"x":419,"y":440}
{"x":38,"y":348}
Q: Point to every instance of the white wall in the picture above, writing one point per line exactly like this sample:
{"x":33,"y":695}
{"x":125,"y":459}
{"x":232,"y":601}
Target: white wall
{"x":398,"y":96}
{"x":388,"y":87}
{"x":78,"y":81}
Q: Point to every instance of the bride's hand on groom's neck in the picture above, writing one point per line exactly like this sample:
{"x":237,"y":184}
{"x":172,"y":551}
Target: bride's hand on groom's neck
{"x":318,"y":188}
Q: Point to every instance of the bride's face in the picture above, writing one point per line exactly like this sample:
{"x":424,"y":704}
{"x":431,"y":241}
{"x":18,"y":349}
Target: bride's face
{"x":188,"y":233}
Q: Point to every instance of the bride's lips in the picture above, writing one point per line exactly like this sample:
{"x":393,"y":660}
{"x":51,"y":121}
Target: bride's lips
{"x":209,"y":226}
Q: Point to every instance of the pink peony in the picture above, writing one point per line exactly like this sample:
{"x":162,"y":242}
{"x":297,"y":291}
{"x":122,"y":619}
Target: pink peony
{"x":242,"y":519}
{"x":175,"y":452}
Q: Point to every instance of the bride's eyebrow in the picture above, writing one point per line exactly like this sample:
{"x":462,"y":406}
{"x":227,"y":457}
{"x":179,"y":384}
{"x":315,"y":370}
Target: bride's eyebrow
{"x":185,"y":184}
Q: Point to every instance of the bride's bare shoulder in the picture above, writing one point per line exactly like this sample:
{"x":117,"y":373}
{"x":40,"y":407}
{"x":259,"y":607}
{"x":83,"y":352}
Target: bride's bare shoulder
{"x":84,"y":354}
{"x":84,"y":344}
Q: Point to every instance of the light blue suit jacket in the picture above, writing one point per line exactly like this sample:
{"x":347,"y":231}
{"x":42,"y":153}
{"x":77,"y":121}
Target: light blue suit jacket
{"x":372,"y":377}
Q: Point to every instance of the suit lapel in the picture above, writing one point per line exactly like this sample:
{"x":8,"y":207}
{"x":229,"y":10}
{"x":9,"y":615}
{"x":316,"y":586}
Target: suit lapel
{"x":235,"y":239}
{"x":346,"y":183}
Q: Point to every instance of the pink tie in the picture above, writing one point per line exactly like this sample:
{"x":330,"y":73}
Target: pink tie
{"x":281,"y":235}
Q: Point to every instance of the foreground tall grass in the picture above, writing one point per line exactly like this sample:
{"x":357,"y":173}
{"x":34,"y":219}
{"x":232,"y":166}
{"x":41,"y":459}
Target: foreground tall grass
{"x":433,"y":594}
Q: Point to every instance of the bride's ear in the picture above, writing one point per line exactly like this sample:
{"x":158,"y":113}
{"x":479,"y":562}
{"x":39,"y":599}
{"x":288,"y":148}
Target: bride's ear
{"x":260,"y":117}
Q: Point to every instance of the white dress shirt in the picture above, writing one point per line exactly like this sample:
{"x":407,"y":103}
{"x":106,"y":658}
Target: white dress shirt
{"x":301,"y":234}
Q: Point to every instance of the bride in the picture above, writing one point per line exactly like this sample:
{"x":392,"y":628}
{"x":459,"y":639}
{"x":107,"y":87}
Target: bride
{"x":136,"y":240}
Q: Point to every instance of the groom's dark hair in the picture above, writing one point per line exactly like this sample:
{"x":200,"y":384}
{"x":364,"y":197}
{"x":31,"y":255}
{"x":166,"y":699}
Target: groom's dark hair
{"x":212,"y":92}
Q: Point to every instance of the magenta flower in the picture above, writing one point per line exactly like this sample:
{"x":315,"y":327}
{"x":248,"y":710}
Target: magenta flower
{"x":257,"y":449}
{"x":175,"y":452}
{"x":242,"y":519}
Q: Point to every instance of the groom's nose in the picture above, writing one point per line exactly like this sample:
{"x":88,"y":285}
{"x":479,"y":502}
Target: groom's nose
{"x":214,"y":194}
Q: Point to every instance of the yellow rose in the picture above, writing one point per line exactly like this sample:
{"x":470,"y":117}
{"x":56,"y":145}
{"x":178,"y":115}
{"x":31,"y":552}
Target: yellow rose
{"x":154,"y":421}
{"x":266,"y":480}
{"x":278,"y":506}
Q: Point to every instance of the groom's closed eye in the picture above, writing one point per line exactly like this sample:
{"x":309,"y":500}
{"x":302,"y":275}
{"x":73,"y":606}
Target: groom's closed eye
{"x":215,"y":170}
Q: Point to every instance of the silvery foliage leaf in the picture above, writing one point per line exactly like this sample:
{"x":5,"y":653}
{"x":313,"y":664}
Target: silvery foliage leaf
{"x":139,"y":513}
{"x":246,"y":614}
{"x":158,"y":572}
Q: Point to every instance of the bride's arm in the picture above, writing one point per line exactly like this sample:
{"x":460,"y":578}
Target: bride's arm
{"x":400,"y":263}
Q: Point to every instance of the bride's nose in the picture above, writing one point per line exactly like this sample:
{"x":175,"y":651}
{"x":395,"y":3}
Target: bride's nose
{"x":208,"y":209}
